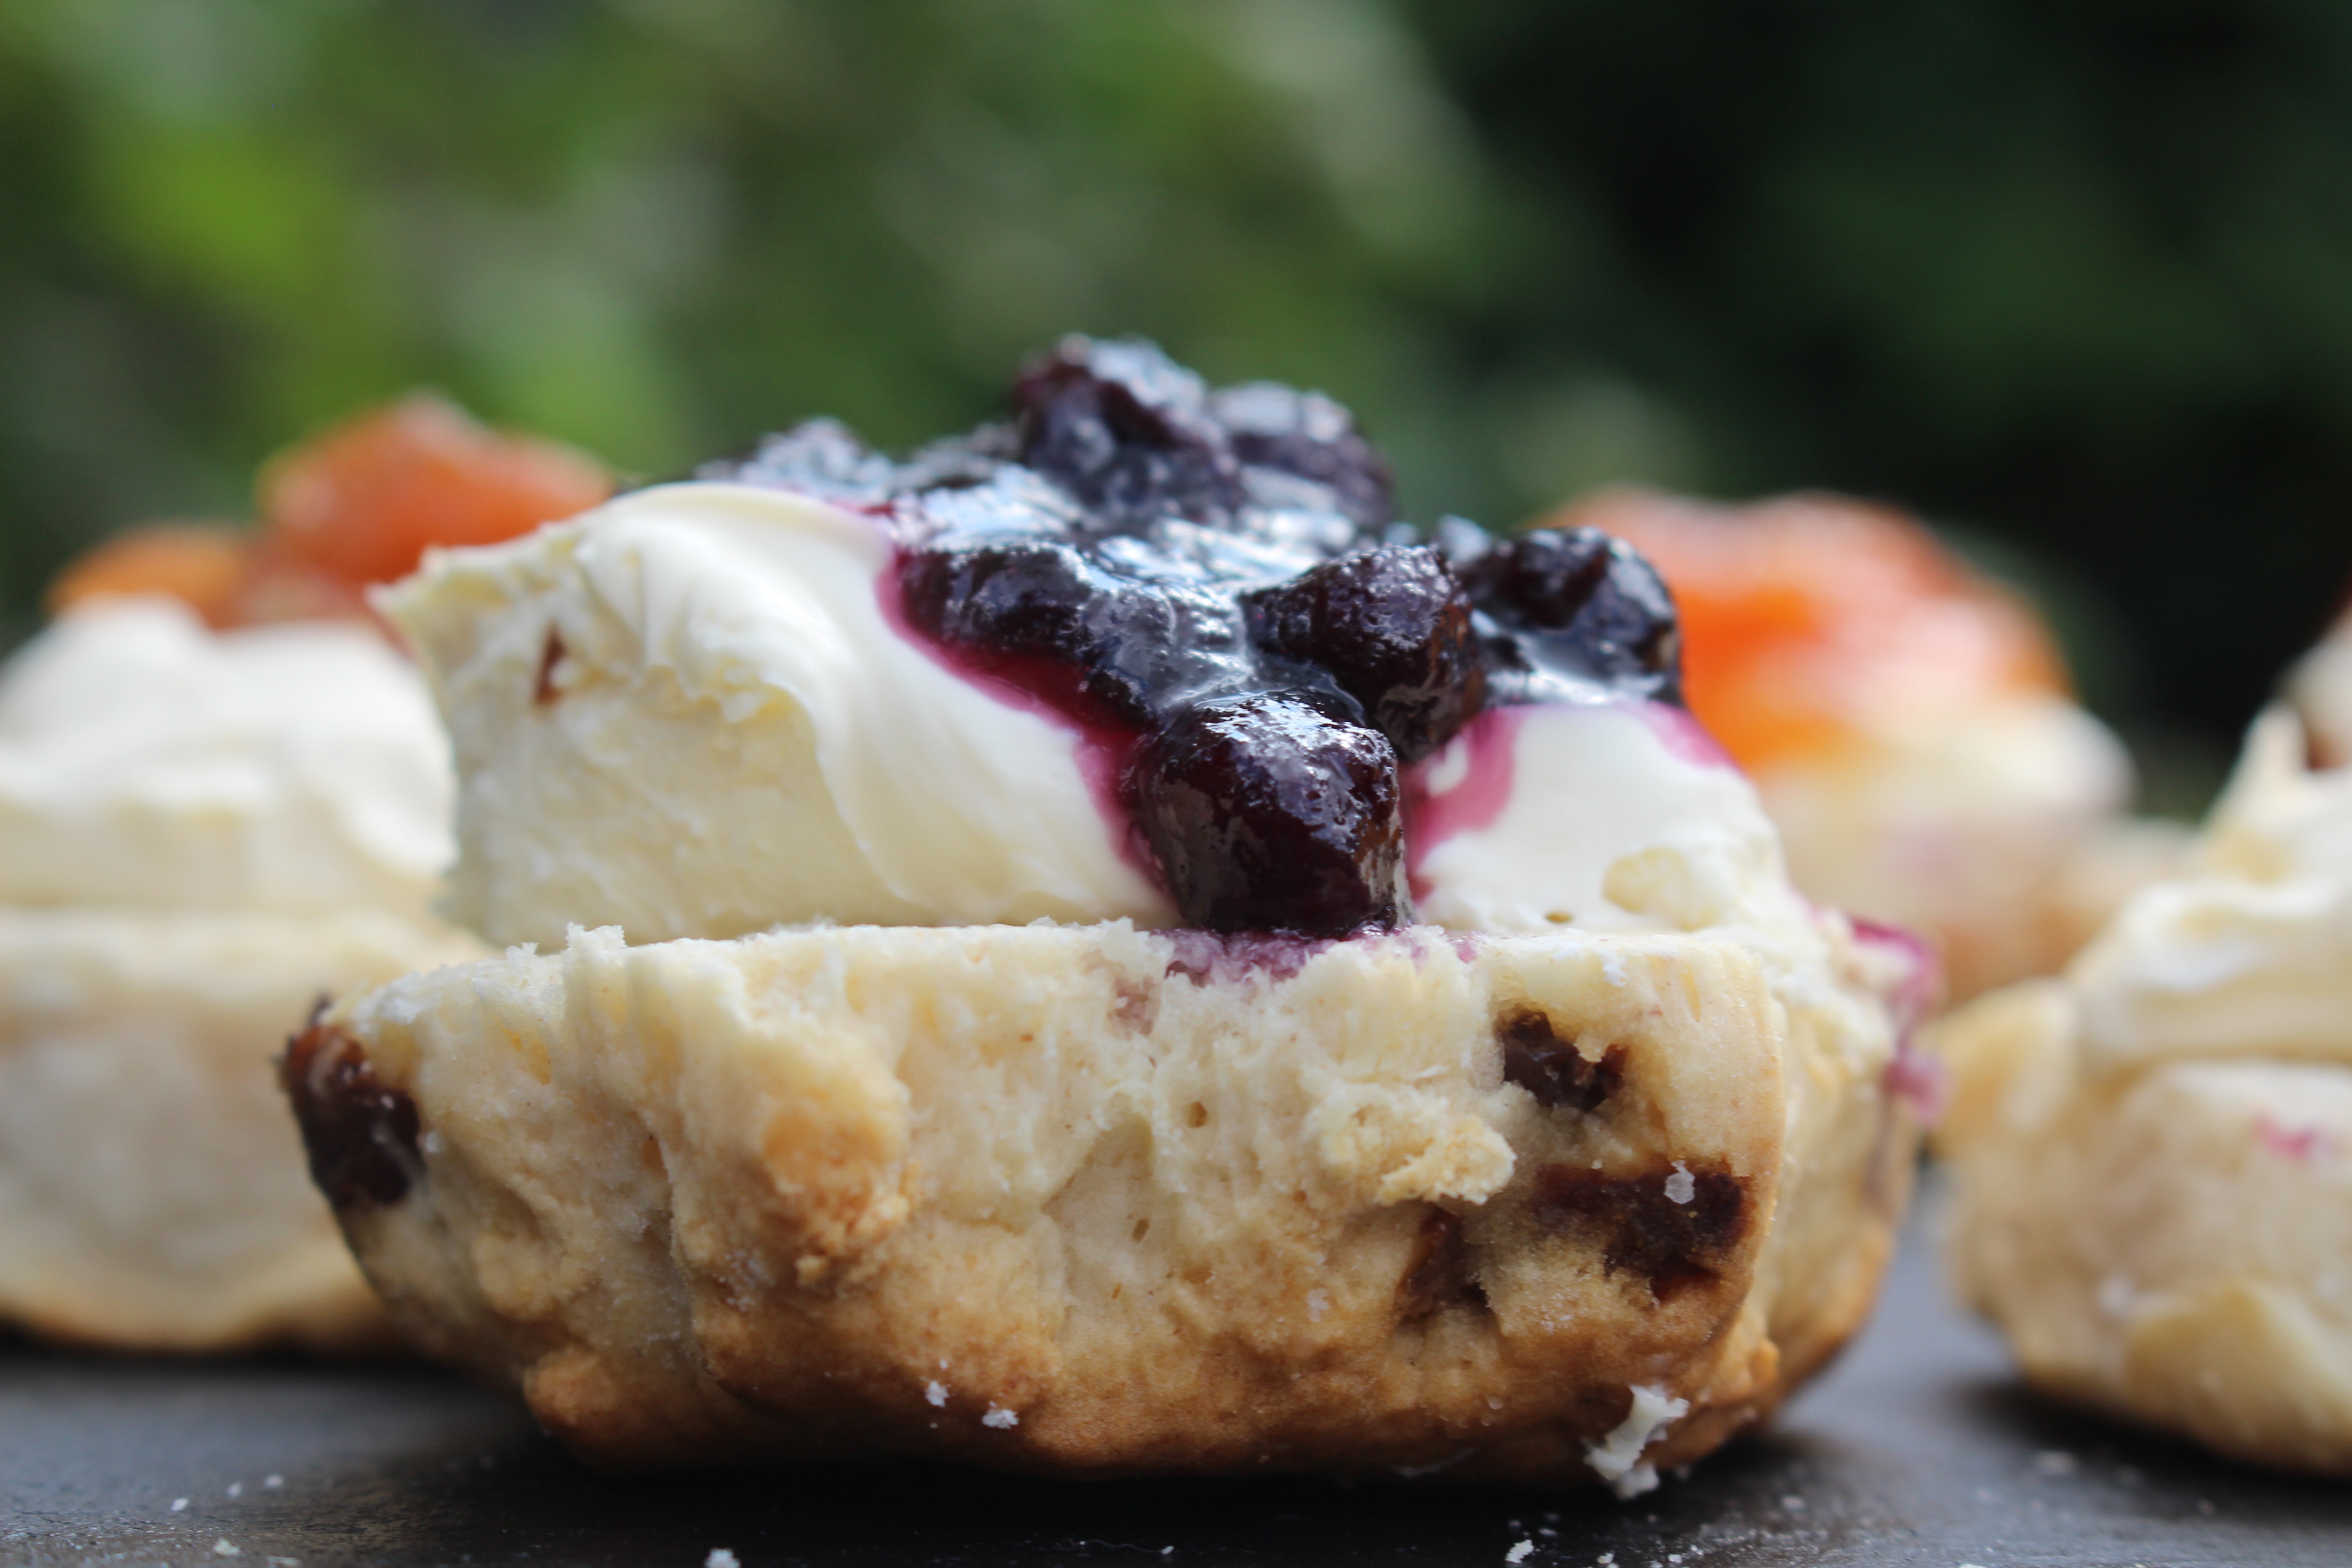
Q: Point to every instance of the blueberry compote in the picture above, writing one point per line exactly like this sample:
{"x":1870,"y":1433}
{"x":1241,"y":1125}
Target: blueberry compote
{"x":1212,"y":578}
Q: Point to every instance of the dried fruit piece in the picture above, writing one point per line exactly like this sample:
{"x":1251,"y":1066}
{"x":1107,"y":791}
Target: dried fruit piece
{"x":1676,"y":1228}
{"x":364,"y":500}
{"x":362,"y":1136}
{"x":1548,"y":1065}
{"x":202,"y":563}
{"x":358,"y":505}
{"x":1438,"y":1272}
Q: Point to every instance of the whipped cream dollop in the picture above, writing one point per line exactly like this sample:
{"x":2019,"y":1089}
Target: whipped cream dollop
{"x":695,"y":711}
{"x":1618,"y":816}
{"x":146,"y":760}
{"x":688,"y":713}
{"x":2249,"y":952}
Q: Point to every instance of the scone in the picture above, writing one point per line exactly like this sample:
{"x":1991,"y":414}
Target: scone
{"x":203,"y":832}
{"x":200,"y":834}
{"x":1253,"y":993}
{"x":2153,"y":1155}
{"x":1907,"y":721}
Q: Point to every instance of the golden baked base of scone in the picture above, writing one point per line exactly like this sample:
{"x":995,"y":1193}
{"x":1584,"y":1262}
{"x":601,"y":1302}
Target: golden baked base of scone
{"x":1089,"y":1200}
{"x":2171,"y":1242}
{"x":151,"y":1195}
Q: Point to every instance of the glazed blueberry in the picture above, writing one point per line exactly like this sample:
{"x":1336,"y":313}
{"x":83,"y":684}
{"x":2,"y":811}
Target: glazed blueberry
{"x":1127,"y":432}
{"x":1392,"y":626}
{"x":1212,"y":584}
{"x":1108,"y":648}
{"x":820,"y":458}
{"x":1032,"y":611}
{"x":1578,"y":606}
{"x":1277,"y":429}
{"x":1266,"y":813}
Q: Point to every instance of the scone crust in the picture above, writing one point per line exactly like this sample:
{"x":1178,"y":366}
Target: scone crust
{"x":2164,"y":1241}
{"x":1089,"y":1200}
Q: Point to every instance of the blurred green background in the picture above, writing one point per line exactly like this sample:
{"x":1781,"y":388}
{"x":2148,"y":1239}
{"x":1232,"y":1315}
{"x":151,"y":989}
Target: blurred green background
{"x":2072,"y":279}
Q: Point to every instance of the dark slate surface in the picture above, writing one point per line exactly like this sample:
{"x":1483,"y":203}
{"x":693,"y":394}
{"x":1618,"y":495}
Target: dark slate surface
{"x":1918,"y":1448}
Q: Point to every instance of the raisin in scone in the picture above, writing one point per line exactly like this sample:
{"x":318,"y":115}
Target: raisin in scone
{"x":1259,"y":992}
{"x":2153,"y":1155}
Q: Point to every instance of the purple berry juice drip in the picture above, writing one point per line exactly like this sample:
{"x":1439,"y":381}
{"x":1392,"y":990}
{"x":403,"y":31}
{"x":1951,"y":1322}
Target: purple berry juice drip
{"x":1208,"y":957}
{"x":1209,"y":585}
{"x":1914,"y":1077}
{"x":1483,"y":756}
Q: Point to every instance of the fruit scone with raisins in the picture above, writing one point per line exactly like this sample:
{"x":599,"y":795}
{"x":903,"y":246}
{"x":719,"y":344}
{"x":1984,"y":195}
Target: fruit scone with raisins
{"x":2153,"y":1155}
{"x":222,"y":794}
{"x":1137,"y":967}
{"x":1907,"y":721}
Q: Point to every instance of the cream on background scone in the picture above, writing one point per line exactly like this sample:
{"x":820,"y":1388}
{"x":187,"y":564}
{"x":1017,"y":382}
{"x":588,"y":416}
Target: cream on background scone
{"x":2153,"y":1155}
{"x":1140,"y":968}
{"x":1906,"y":720}
{"x":200,"y":835}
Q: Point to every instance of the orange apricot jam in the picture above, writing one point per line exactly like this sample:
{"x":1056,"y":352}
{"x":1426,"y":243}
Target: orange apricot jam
{"x":203,"y":563}
{"x":356,"y":505}
{"x":1809,"y":620}
{"x":364,"y":500}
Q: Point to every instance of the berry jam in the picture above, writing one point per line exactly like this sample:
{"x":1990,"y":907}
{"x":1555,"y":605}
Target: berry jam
{"x":1214,"y":577}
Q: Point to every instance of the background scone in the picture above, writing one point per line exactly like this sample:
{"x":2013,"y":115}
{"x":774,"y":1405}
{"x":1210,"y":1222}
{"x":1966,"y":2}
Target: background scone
{"x":222,"y":796}
{"x":2154,"y":1154}
{"x":1555,"y":1125}
{"x":1906,"y":720}
{"x":201,"y":833}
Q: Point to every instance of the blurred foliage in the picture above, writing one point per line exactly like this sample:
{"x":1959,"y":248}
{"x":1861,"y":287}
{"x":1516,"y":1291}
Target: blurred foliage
{"x":660,"y":226}
{"x":2075,"y":275}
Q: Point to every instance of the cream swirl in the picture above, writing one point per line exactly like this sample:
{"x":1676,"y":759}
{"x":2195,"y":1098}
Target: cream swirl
{"x":2251,"y":953}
